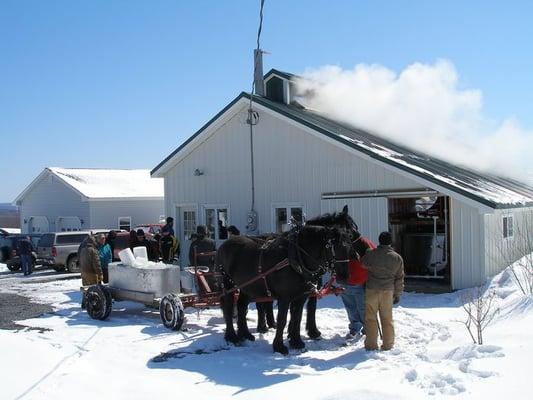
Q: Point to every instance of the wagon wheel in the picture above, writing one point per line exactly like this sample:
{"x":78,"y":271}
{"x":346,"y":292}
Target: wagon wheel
{"x":98,"y":302}
{"x":171,"y":311}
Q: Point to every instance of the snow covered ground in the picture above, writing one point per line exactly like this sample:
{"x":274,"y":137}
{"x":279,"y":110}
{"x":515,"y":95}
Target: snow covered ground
{"x":74,"y":356}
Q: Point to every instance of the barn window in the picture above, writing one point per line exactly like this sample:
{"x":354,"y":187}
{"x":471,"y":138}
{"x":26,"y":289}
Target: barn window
{"x":508,"y":226}
{"x":283,"y":215}
{"x":124,"y":223}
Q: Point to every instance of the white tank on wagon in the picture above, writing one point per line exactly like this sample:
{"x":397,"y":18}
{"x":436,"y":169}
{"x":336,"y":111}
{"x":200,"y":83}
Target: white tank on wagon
{"x":157,"y":279}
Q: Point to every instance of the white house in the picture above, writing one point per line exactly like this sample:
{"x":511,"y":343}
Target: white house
{"x":452,"y":225}
{"x":68,"y":199}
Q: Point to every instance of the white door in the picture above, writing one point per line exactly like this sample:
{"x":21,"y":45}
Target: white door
{"x":371,"y":214}
{"x":38,"y":224}
{"x":186,"y":221}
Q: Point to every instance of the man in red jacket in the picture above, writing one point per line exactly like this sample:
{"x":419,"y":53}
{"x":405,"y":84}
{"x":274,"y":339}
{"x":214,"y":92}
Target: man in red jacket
{"x":353,"y":296}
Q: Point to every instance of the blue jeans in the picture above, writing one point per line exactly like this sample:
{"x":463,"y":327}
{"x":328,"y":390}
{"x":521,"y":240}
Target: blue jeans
{"x":25,"y":260}
{"x":354,"y":302}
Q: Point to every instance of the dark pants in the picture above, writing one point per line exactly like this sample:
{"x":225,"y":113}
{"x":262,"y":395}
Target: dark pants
{"x":26,"y":262}
{"x":105,"y":272}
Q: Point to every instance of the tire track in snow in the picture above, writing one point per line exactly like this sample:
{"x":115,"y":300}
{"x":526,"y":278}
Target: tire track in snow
{"x":81,"y":350}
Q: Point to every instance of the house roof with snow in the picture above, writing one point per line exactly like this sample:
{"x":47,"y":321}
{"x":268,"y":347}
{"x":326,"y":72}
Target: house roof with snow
{"x":484,"y":188}
{"x":92,"y":183}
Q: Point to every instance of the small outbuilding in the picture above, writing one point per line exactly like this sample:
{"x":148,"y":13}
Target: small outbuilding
{"x":257,"y":169}
{"x":73,"y":199}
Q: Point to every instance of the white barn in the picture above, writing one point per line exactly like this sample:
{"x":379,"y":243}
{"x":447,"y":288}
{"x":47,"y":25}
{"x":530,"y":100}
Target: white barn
{"x":69,"y":199}
{"x":452,"y":225}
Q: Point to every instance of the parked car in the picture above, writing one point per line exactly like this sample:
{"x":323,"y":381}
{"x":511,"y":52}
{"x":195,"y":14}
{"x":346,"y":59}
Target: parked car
{"x":60,"y":249}
{"x":9,"y":248}
{"x":150,"y":228}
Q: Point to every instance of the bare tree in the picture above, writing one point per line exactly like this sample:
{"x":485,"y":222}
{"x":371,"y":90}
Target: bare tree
{"x":480,"y":311}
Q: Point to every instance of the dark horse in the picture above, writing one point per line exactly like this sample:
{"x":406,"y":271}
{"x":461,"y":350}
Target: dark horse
{"x":265,"y":313}
{"x":296,"y":258}
{"x":340,"y":220}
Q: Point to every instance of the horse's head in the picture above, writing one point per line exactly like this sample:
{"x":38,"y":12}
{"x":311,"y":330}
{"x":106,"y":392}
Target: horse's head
{"x":341,"y":220}
{"x":340,"y":248}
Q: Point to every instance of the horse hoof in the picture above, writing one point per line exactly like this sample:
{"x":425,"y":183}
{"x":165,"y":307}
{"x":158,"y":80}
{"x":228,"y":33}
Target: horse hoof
{"x":314,"y":334}
{"x":297,"y":344}
{"x":282,"y":349}
{"x":232,"y":338}
{"x":247,"y":336}
{"x":262,"y":329}
{"x":272,"y":325}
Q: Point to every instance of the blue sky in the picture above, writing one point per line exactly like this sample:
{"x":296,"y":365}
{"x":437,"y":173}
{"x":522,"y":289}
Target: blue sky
{"x":120,"y":84}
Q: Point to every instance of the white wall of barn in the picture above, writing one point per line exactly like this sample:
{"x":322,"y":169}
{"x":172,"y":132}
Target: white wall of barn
{"x":105,"y":213}
{"x":294,"y":166}
{"x":501,"y":252}
{"x":51,"y":198}
{"x":291,"y":166}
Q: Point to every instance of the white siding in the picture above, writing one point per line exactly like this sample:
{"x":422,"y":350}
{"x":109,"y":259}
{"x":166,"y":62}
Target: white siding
{"x":51,"y":198}
{"x":371,"y":214}
{"x":467,"y":243}
{"x":500,"y":252}
{"x":291,"y":166}
{"x":105,"y":214}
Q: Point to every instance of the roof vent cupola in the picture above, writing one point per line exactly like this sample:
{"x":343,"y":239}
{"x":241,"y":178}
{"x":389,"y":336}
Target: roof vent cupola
{"x":279,"y":86}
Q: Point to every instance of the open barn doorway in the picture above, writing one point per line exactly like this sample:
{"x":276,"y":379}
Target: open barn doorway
{"x":420,"y":228}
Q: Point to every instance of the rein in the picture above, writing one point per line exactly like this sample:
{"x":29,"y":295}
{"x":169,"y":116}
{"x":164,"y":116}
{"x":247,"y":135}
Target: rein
{"x":282,"y":264}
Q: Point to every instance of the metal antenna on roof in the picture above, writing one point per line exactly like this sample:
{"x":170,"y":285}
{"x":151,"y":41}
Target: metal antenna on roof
{"x":253,"y":116}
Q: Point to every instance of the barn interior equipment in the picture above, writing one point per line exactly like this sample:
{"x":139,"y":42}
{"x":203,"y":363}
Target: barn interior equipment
{"x":420,"y":228}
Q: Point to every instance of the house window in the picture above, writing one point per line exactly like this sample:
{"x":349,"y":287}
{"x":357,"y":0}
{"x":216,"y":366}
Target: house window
{"x":189,"y":223}
{"x":124,"y":223}
{"x":216,"y":221}
{"x":508,"y":226}
{"x":283,"y":215}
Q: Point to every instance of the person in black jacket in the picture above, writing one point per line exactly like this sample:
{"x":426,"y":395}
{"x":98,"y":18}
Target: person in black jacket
{"x":142,"y":241}
{"x":25,"y":249}
{"x":202,"y":244}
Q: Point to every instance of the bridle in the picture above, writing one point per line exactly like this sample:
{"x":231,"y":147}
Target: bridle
{"x":327,"y":266}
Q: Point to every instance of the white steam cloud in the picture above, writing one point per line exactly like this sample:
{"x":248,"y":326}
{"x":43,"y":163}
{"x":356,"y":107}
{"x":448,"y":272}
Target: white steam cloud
{"x":423,"y":108}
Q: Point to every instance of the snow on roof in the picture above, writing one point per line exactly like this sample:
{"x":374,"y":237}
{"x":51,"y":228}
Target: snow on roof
{"x":111,"y":183}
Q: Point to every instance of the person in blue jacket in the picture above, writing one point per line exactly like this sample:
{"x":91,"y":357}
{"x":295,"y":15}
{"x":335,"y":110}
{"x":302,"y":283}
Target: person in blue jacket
{"x":106,"y":255}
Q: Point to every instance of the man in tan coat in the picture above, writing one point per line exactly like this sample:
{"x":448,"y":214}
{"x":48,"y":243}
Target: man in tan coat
{"x":91,"y":271}
{"x":383,"y":289}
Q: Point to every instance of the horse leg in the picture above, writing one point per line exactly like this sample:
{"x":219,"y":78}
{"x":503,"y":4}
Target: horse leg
{"x":269,"y":311}
{"x":310,"y":324}
{"x":226,"y":302}
{"x":261,"y":318}
{"x":243,"y":332}
{"x":278,"y":346}
{"x":297,"y":307}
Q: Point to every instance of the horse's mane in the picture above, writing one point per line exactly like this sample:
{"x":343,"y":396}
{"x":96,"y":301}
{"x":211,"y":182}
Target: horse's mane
{"x":340,"y":219}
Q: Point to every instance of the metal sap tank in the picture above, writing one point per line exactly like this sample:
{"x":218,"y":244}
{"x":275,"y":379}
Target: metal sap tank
{"x":159,"y":279}
{"x":418,"y":252}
